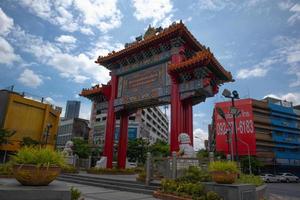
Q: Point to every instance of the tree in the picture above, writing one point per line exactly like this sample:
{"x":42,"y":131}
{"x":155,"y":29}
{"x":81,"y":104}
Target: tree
{"x":137,"y":150}
{"x":81,"y":148}
{"x":255,"y":164}
{"x":160,"y":149}
{"x":4,"y":139}
{"x":5,"y":135}
{"x":28,"y":141}
{"x":202,"y":153}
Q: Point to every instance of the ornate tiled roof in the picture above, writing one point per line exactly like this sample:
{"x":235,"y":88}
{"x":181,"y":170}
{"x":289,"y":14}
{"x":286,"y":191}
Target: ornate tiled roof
{"x":202,"y":58}
{"x":176,"y":29}
{"x":96,"y":90}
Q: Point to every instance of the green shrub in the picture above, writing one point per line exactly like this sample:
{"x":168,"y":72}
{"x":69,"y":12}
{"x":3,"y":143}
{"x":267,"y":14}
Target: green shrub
{"x":227,"y":166}
{"x":250,"y":179}
{"x":210,"y":195}
{"x":75,"y":193}
{"x":168,"y":185}
{"x":38,"y":156}
{"x":182,"y":188}
{"x":69,"y":169}
{"x":141,"y":176}
{"x":194,"y":174}
{"x":6,"y":169}
{"x":94,"y":170}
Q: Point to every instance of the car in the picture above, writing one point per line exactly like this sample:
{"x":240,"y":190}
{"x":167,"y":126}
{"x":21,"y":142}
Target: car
{"x":269,"y":178}
{"x":288,"y":177}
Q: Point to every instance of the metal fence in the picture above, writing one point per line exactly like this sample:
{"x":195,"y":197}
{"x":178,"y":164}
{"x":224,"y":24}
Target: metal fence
{"x":79,"y":163}
{"x":170,"y":167}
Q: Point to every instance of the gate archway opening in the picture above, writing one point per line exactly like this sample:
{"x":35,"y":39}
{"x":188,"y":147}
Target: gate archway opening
{"x":165,"y":66}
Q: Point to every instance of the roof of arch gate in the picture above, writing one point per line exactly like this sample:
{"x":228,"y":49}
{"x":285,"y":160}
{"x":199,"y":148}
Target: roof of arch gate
{"x":201,"y":57}
{"x":174,"y":30}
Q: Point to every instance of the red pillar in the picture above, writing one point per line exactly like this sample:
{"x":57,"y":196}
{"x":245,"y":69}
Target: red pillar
{"x":110,"y":124}
{"x":176,"y":106}
{"x":174,"y":116}
{"x":123,"y":138}
{"x":187,"y":113}
{"x":189,"y":121}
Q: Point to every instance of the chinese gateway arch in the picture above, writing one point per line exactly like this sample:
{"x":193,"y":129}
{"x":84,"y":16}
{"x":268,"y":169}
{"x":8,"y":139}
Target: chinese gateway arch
{"x":165,"y":66}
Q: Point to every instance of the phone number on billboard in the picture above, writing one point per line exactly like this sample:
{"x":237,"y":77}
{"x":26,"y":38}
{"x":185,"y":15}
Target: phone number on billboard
{"x":242,"y":127}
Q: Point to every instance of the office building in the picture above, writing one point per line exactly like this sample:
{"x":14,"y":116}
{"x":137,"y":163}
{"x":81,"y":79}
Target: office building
{"x":269,"y":129}
{"x":72,"y":109}
{"x":71,"y":128}
{"x":151,"y":124}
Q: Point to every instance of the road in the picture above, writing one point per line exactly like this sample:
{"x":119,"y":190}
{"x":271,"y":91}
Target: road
{"x":284,"y":191}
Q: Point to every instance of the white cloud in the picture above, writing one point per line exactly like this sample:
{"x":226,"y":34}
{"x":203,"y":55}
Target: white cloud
{"x":288,"y":52}
{"x":199,"y":137}
{"x":291,"y":97}
{"x":295,"y":70}
{"x":214,"y":5}
{"x":296,"y":16}
{"x":77,"y":68}
{"x":258,"y":70}
{"x":200,"y":115}
{"x":285,"y":4}
{"x":50,"y":100}
{"x":102,"y":13}
{"x":6,"y":23}
{"x":76,"y":15}
{"x":30,"y":79}
{"x":159,"y":11}
{"x":66,"y":39}
{"x":7,"y":54}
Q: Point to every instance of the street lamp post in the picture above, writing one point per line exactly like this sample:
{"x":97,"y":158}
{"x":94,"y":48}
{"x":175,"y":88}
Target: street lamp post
{"x":47,"y":133}
{"x":222,"y":114}
{"x":233,"y":95}
{"x":248,"y":149}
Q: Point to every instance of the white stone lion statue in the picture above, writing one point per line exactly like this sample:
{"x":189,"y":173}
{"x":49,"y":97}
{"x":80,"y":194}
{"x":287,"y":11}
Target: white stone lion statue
{"x":185,"y":147}
{"x":68,"y":148}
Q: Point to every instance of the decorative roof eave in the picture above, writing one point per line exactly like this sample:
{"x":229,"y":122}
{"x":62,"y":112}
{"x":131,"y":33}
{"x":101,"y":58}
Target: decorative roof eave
{"x":178,"y":29}
{"x":202,"y":58}
{"x":96,"y":90}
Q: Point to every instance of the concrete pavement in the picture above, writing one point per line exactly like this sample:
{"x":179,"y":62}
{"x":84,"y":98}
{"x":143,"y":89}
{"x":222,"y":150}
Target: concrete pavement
{"x":98,"y":193}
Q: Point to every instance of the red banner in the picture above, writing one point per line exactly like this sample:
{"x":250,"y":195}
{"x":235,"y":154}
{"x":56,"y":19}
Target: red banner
{"x":244,"y":127}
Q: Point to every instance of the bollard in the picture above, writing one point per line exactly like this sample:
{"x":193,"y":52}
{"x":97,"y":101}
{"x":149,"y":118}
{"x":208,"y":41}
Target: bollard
{"x":174,"y":165}
{"x":89,"y":162}
{"x":148,"y":170}
{"x":211,"y":156}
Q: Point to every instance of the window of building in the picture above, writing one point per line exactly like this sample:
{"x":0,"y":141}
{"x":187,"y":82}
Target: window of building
{"x":279,"y":133}
{"x":132,"y":118}
{"x":98,"y":112}
{"x":103,"y":118}
{"x":98,"y":119}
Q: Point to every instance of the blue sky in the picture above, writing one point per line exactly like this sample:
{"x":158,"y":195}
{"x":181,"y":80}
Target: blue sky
{"x":48,"y":48}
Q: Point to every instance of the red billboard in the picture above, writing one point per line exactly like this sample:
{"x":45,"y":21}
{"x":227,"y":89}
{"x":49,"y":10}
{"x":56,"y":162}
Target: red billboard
{"x":244,"y":127}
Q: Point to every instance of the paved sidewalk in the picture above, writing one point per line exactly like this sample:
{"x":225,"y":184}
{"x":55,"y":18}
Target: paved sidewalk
{"x":98,"y":193}
{"x":114,"y":177}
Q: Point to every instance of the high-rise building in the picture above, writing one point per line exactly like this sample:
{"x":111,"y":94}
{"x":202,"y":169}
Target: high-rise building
{"x":71,"y":128}
{"x":268,"y":129}
{"x":150,"y":123}
{"x":72,"y":109}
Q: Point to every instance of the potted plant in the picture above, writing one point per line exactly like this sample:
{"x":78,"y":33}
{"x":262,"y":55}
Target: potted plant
{"x":36,"y":166}
{"x":224,"y":172}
